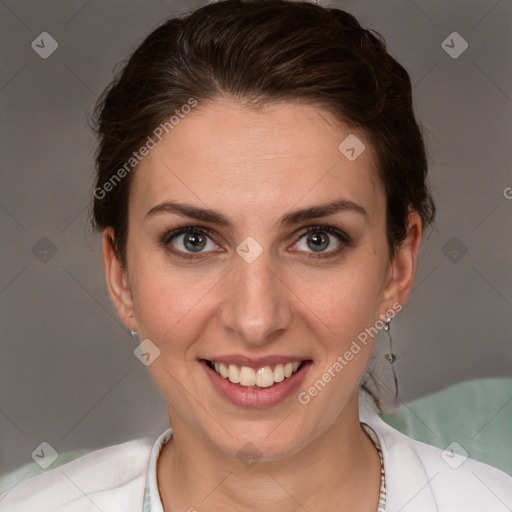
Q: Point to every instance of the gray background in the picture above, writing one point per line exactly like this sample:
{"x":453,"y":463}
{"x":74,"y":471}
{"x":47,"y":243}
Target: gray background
{"x":68,"y":375}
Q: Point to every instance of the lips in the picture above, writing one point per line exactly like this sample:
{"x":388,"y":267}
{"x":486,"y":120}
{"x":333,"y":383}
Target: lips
{"x":265,"y":391}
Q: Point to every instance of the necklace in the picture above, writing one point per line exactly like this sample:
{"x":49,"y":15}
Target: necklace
{"x":382,"y":493}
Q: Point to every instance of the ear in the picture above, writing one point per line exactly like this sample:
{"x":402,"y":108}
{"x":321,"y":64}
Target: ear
{"x":403,"y":265}
{"x":117,"y":281}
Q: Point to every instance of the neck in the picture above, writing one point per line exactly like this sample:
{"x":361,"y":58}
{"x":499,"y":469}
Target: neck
{"x":338,"y":470}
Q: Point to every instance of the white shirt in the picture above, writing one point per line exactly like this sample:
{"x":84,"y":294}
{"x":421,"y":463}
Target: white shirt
{"x":123,"y":478}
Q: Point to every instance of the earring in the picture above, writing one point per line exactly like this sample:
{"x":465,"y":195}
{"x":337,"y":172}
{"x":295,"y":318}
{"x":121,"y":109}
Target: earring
{"x":391,"y":356}
{"x":134,"y":334}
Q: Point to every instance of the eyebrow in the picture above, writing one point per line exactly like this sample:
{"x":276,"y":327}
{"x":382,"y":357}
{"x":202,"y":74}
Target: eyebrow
{"x":294,"y":217}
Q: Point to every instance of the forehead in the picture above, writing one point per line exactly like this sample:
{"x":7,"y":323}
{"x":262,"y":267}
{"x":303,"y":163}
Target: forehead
{"x":224,"y":152}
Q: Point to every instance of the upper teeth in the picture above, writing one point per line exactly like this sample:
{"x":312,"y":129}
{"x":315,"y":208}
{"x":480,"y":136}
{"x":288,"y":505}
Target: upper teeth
{"x":264,"y":377}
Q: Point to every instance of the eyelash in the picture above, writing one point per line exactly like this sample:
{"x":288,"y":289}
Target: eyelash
{"x":343,"y":238}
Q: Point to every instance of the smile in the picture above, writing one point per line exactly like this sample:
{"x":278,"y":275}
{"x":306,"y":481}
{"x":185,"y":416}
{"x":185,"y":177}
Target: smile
{"x":256,"y":383}
{"x":263,"y":377}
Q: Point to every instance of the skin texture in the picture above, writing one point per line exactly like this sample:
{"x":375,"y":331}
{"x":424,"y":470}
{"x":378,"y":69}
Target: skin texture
{"x":255,"y":167}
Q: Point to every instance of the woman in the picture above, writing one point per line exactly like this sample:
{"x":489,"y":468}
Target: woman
{"x":261,"y":190}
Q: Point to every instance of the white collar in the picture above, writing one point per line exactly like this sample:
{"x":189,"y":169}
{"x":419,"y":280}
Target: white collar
{"x":405,"y":489}
{"x":407,"y":480}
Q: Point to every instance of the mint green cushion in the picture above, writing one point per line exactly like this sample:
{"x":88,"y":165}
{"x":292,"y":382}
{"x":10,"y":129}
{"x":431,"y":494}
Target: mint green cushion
{"x":477,"y":414}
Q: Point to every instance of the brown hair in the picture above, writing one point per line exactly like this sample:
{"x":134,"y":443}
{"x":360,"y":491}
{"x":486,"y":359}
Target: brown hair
{"x":261,"y":52}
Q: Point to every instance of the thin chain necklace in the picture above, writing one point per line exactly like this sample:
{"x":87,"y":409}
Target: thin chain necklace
{"x":382,"y":494}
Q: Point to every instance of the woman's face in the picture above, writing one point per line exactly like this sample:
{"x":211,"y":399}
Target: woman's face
{"x":256,"y":290}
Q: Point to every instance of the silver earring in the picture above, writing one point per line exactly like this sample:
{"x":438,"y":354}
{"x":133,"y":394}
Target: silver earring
{"x":391,"y":356}
{"x":134,"y":334}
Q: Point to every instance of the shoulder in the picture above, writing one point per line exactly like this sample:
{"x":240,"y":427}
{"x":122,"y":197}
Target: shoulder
{"x":424,"y":477}
{"x":109,"y":479}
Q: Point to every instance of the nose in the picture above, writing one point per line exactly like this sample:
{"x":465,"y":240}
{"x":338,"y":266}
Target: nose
{"x":257,"y":306}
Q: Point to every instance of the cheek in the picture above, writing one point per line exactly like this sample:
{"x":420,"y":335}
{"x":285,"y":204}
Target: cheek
{"x":346,"y":301}
{"x":155,"y":298}
{"x":169,"y":303}
{"x":343,"y":321}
